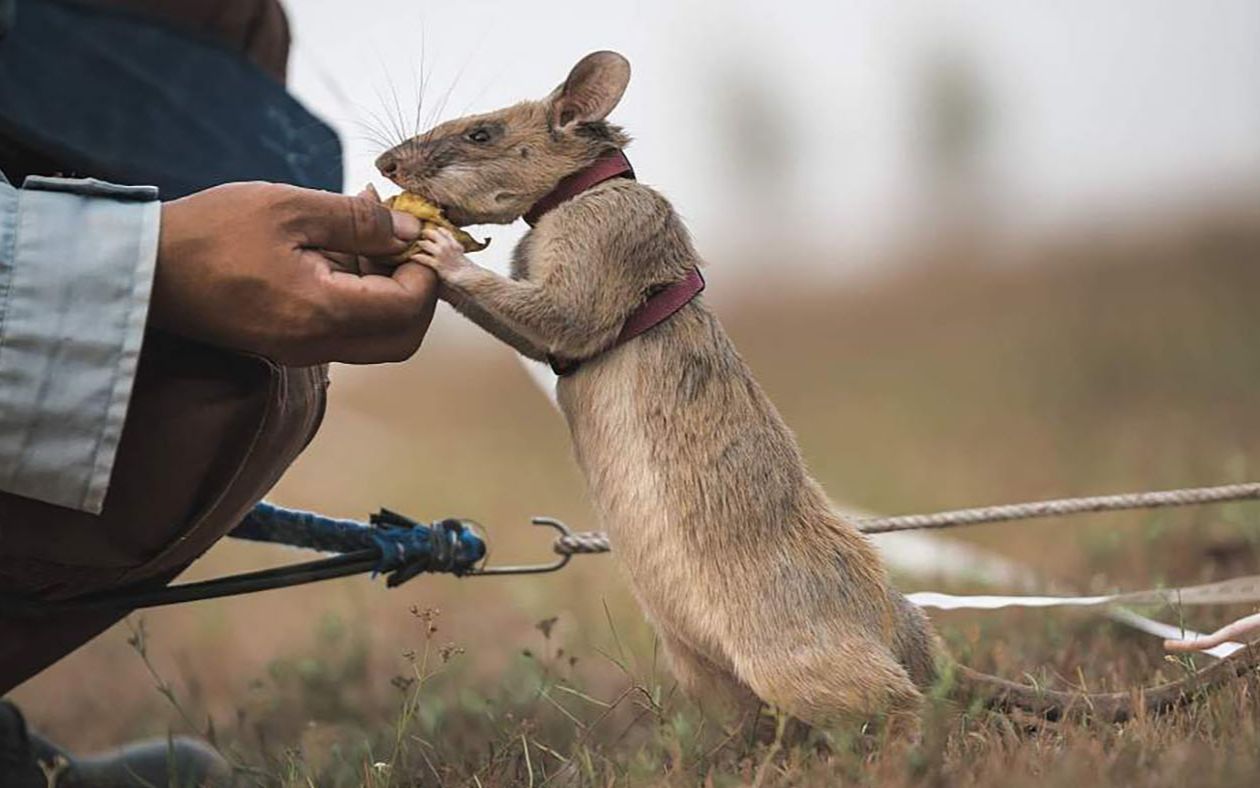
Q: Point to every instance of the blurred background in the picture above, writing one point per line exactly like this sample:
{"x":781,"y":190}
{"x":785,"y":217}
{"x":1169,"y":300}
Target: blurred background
{"x":977,"y":252}
{"x":859,"y":126}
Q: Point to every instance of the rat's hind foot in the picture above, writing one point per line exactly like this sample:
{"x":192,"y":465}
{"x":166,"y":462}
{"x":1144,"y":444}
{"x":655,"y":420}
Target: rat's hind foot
{"x":851,"y":681}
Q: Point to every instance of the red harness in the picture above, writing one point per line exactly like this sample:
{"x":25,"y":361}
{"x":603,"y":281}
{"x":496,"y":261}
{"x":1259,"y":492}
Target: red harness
{"x":659,"y":306}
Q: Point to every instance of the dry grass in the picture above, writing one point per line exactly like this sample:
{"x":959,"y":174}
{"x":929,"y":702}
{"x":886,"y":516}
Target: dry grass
{"x":1122,"y":365}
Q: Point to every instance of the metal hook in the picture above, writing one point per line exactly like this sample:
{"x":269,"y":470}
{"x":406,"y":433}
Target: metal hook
{"x":532,"y":569}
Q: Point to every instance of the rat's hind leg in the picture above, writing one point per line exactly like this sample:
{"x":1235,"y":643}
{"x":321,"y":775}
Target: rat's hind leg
{"x":853,"y":679}
{"x":706,"y":682}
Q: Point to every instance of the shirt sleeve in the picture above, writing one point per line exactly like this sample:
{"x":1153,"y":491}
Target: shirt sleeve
{"x":76,"y":269}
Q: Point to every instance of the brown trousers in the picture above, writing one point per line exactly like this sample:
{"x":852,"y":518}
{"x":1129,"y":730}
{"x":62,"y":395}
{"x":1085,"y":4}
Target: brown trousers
{"x":207,"y":434}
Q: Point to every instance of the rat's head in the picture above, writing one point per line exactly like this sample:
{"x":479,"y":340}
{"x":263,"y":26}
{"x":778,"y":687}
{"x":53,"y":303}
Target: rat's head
{"x":491,"y":168}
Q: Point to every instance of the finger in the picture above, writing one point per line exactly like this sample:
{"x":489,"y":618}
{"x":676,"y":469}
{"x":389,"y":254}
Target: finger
{"x":380,"y":266}
{"x":343,"y":261}
{"x":359,"y":225}
{"x":363,"y":266}
{"x":390,"y":346}
{"x":372,"y":305}
{"x":395,"y":343}
{"x":369,"y":193}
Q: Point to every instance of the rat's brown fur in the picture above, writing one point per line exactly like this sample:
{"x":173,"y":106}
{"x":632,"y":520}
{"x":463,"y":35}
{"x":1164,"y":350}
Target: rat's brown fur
{"x":758,"y":588}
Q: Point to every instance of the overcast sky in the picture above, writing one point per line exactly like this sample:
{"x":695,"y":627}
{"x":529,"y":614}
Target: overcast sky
{"x":1092,"y":107}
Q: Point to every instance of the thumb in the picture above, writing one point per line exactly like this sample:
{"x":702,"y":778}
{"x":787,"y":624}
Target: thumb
{"x":357,"y":225}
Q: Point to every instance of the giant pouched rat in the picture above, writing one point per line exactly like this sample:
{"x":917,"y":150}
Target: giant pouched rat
{"x":758,"y":588}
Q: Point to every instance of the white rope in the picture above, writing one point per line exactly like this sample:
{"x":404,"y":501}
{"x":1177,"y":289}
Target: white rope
{"x":1186,"y":496}
{"x":597,"y":541}
{"x":584,"y":542}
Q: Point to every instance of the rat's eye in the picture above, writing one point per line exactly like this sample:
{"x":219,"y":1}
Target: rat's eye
{"x":478,"y":135}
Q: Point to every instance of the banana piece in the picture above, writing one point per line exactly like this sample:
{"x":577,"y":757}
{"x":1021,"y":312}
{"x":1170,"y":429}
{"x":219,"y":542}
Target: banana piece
{"x":431,"y":216}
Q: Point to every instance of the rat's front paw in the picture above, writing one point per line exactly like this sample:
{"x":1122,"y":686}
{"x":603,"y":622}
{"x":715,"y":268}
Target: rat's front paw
{"x":439,"y":250}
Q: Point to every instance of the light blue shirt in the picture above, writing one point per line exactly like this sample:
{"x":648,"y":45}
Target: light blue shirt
{"x":76,"y":269}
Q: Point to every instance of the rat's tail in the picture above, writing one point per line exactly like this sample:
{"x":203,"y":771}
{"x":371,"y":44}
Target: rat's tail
{"x":1109,"y":706}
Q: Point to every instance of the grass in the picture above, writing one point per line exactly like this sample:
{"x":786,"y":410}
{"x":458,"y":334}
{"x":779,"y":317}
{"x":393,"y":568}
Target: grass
{"x":1103,"y":365}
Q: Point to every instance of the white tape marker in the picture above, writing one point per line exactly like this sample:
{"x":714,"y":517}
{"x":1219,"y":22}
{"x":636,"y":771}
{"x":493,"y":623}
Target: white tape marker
{"x":937,"y":601}
{"x":1168,"y":631}
{"x":1239,"y":589}
{"x":1219,"y":644}
{"x":937,"y":558}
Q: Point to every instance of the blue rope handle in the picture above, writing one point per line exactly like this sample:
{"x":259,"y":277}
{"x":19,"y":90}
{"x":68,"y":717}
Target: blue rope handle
{"x":389,"y":544}
{"x":406,"y":547}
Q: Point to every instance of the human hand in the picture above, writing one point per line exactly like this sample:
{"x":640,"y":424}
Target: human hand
{"x":269,"y":269}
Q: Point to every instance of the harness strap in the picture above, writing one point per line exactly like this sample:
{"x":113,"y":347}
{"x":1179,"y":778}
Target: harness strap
{"x":659,"y":307}
{"x":605,"y":168}
{"x":661,"y":304}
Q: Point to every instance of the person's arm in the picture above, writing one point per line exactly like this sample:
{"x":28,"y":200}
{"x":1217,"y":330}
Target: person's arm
{"x":257,"y":267}
{"x":77,"y":259}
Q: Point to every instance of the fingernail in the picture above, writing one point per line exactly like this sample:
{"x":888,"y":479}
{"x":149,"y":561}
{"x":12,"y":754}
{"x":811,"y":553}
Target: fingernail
{"x":406,"y":226}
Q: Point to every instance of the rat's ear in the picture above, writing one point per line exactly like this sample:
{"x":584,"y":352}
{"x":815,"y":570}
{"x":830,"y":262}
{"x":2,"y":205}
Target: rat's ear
{"x":593,"y":88}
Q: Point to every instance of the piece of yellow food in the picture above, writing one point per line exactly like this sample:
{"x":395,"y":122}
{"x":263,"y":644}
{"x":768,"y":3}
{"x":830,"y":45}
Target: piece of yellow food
{"x":431,"y":216}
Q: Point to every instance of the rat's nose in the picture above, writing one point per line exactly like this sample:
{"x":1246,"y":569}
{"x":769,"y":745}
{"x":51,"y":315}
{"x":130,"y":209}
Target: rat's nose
{"x":387,"y":163}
